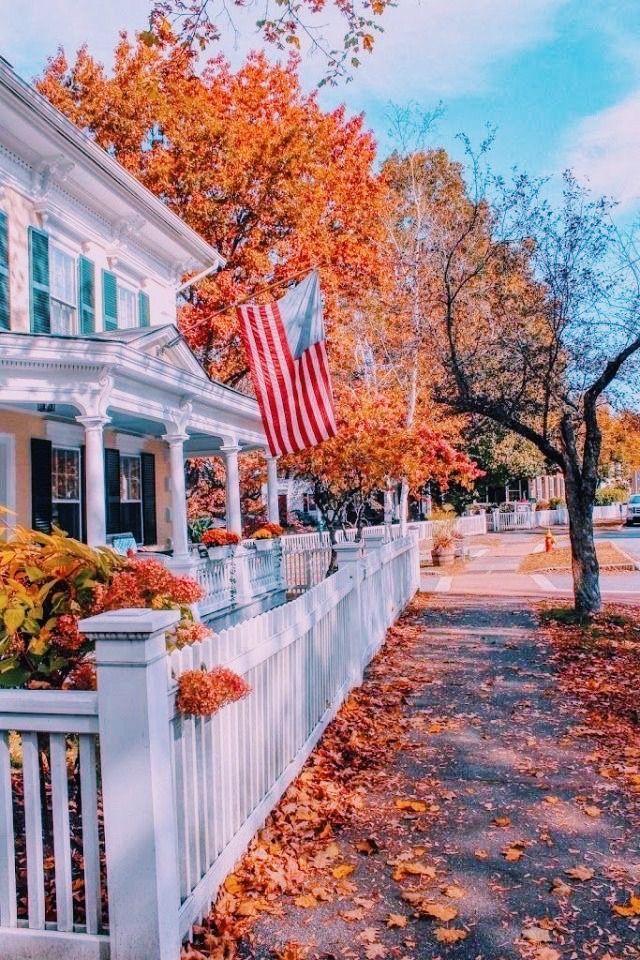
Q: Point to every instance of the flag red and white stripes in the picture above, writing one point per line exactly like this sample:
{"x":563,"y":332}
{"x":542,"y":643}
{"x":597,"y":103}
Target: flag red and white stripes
{"x":287,"y":356}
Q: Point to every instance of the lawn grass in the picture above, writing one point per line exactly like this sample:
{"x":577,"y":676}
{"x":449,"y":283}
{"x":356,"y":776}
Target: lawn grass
{"x":559,"y":559}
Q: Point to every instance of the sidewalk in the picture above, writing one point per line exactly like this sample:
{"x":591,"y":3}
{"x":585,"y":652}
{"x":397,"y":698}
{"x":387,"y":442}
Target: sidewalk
{"x":493,"y":570}
{"x":484,"y":832}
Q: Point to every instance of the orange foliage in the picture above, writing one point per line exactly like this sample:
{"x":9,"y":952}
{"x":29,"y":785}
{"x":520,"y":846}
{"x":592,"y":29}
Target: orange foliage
{"x":249,"y":161}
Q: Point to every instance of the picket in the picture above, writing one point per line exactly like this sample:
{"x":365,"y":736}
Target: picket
{"x":48,"y":749}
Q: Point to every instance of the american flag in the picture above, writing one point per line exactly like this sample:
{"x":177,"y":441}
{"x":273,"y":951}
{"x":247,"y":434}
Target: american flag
{"x":285,"y":345}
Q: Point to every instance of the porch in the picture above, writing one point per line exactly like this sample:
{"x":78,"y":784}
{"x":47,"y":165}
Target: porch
{"x":94,"y":434}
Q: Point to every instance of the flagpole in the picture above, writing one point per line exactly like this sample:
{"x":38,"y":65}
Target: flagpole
{"x":257,"y":293}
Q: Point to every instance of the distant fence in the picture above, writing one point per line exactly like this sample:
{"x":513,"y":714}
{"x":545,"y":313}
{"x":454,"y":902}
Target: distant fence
{"x":180,"y":797}
{"x":519,"y":519}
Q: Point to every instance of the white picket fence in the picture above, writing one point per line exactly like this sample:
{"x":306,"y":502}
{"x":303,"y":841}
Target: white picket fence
{"x":524,"y":519}
{"x":173,"y":801}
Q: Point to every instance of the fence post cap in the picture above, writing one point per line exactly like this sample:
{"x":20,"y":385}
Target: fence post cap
{"x":130,"y":622}
{"x":348,"y":550}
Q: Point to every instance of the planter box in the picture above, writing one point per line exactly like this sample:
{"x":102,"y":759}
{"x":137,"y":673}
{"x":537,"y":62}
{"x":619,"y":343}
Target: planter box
{"x":263,"y":544}
{"x":442,"y":558}
{"x":220,"y":553}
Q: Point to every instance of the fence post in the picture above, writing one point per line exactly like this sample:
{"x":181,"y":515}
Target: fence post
{"x":349,"y":556}
{"x":137,"y":782}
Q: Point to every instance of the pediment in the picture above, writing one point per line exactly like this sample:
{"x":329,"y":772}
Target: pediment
{"x":168,"y":345}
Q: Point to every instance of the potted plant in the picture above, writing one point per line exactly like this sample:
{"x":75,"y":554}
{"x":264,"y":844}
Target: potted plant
{"x":263,"y":538}
{"x":443,"y":550}
{"x":220,"y":543}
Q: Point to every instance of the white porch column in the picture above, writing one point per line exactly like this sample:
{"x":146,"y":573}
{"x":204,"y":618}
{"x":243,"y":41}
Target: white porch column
{"x":175,"y":442}
{"x":273,"y":510}
{"x":232,"y":488}
{"x":96,"y":510}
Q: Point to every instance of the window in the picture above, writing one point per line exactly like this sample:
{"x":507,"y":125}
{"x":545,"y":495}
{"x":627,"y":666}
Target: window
{"x":127,"y":308}
{"x":66,"y":489}
{"x":130,"y":480}
{"x":63,"y":292}
{"x":131,"y":496}
{"x":65,"y":474}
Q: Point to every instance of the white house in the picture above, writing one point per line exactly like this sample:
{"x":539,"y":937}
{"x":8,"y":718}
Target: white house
{"x":101,"y":399}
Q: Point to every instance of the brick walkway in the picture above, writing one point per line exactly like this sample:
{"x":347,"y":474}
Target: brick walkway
{"x":508,"y":801}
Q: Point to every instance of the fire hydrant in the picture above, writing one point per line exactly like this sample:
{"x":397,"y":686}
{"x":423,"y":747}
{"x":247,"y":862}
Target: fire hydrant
{"x":549,"y":541}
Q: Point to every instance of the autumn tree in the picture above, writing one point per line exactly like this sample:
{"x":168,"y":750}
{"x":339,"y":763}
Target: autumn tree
{"x":534,"y":310}
{"x":620,"y":441}
{"x":372,"y":449}
{"x":285,"y":24}
{"x":251,"y":162}
{"x":205,"y":478}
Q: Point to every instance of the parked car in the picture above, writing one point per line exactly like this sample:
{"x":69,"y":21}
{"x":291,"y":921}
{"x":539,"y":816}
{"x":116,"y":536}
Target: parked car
{"x":633,"y":510}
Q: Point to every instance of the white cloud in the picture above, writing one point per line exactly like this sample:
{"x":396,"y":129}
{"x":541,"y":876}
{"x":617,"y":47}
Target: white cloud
{"x":445,"y":48}
{"x":429,"y":48}
{"x":604,"y":150}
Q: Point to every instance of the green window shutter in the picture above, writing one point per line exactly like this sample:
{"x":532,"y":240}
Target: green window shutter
{"x":87,"y":295}
{"x":144,"y":314}
{"x":39,"y":273}
{"x":110,"y":300}
{"x":4,"y":272}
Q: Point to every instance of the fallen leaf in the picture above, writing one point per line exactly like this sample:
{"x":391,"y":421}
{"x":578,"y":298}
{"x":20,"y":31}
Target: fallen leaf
{"x":352,"y":916}
{"x":324,"y":857}
{"x":417,"y":806}
{"x":416,"y":869}
{"x":580,"y":873}
{"x":551,"y":799}
{"x":548,"y":953}
{"x":367,"y":847}
{"x":246,"y":908}
{"x":232,"y":884}
{"x":414,"y":897}
{"x":368,"y":935}
{"x":292,"y":951}
{"x":501,"y":821}
{"x":396,"y":920}
{"x":560,"y":888}
{"x":454,"y":892}
{"x":481,"y":854}
{"x":592,"y":811}
{"x":630,"y":909}
{"x":536,"y":935}
{"x":306,"y":900}
{"x":449,"y":934}
{"x":514,"y":852}
{"x":438,"y":911}
{"x":374,"y":951}
{"x":344,"y":870}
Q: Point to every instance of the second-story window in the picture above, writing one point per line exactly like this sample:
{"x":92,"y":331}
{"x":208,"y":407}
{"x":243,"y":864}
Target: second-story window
{"x":63,"y":291}
{"x":127,"y":307}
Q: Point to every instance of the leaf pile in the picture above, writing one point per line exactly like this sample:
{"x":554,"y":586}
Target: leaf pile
{"x":599,"y":663}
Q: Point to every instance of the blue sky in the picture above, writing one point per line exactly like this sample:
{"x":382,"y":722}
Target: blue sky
{"x":559,"y":78}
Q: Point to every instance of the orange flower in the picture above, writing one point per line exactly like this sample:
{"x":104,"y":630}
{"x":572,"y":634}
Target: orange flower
{"x":202,"y":693}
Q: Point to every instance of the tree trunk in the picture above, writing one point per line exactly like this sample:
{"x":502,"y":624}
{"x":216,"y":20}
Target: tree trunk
{"x":584,"y":560}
